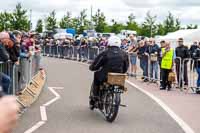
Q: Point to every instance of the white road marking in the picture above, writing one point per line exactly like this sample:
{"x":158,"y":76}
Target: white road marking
{"x":43,"y":113}
{"x":51,"y":101}
{"x":35,"y":127}
{"x":57,"y":88}
{"x":43,"y":110}
{"x":53,"y":91}
{"x":174,"y":116}
{"x":181,"y":123}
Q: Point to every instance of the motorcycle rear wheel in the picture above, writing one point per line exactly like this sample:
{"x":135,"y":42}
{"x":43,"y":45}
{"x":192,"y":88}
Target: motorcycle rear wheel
{"x":111,"y":106}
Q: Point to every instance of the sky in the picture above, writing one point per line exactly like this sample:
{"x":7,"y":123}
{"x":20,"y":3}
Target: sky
{"x":186,"y":10}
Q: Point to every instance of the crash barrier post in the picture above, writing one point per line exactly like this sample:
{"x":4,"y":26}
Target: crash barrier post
{"x":68,"y":52}
{"x":178,"y":71}
{"x":14,"y":77}
{"x":78,"y":54}
{"x":148,"y":67}
{"x":6,"y":76}
{"x":57,"y":51}
{"x":184,"y":73}
{"x":92,"y":53}
{"x":36,"y":63}
{"x":192,"y":75}
{"x":43,"y":50}
{"x":193,"y":82}
{"x":25,"y":72}
{"x":46,"y":50}
{"x":64,"y":51}
{"x":50,"y":51}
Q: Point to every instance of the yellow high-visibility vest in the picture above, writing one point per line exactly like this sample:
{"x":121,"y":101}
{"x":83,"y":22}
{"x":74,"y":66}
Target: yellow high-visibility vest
{"x":167,"y":60}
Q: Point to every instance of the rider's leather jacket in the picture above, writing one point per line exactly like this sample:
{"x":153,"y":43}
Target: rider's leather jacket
{"x":111,"y":60}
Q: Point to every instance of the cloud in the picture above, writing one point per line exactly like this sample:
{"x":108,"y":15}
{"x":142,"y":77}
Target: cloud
{"x":161,"y":3}
{"x":186,"y":10}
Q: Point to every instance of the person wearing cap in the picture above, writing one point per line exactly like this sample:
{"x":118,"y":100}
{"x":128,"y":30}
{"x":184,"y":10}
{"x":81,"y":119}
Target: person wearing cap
{"x":14,"y":48}
{"x":182,"y":52}
{"x":153,"y":50}
{"x":113,"y":59}
{"x":142,"y":55}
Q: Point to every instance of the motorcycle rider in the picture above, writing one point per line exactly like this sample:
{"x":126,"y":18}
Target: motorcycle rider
{"x":113,"y":59}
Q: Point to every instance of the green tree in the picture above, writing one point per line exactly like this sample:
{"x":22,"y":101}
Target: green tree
{"x":99,"y":20}
{"x":39,"y":26}
{"x":149,"y":25}
{"x":75,"y":23}
{"x":51,"y":21}
{"x":171,"y":24}
{"x":116,"y":27}
{"x":132,"y":24}
{"x":160,"y":29}
{"x":66,"y":21}
{"x":83,"y":23}
{"x":5,"y":21}
{"x":20,"y":19}
{"x":191,"y":26}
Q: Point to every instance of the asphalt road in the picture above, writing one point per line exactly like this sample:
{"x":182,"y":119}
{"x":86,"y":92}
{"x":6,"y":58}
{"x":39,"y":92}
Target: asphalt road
{"x":70,"y":113}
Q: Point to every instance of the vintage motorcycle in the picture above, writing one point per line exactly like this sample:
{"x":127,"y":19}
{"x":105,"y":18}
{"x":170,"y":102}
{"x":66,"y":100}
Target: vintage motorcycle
{"x":109,"y":96}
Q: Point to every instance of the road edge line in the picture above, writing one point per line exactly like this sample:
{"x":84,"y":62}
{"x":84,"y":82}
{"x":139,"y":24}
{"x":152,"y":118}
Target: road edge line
{"x":174,"y":116}
{"x":35,"y":127}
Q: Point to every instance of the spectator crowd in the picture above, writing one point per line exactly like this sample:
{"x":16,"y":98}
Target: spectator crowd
{"x":149,"y":60}
{"x":159,"y":61}
{"x":16,"y":48}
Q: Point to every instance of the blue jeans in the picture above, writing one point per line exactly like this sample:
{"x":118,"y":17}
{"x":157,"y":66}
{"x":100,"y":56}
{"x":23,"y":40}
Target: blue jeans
{"x":144,"y":66}
{"x":5,"y":83}
{"x":154,"y":69}
{"x":133,"y":59}
{"x":62,"y":51}
{"x":198,"y":80}
{"x":83,"y":54}
{"x":76,"y":50}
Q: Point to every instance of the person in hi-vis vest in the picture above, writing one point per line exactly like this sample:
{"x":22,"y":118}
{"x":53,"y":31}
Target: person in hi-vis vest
{"x":168,"y":56}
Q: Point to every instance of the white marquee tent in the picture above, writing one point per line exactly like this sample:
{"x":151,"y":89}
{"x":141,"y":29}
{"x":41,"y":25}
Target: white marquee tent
{"x":189,"y":37}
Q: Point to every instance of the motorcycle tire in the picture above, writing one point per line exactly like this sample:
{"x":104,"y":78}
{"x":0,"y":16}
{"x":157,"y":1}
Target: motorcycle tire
{"x":113,"y":107}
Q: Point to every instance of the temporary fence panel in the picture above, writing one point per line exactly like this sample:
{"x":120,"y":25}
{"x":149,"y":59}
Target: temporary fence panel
{"x":89,"y":54}
{"x":19,"y":74}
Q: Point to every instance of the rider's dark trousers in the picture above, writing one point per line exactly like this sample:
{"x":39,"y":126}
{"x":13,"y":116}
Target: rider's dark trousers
{"x":98,"y":81}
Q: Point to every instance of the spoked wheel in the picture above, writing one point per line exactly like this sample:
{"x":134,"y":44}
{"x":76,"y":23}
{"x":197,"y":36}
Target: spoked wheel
{"x":112,"y":102}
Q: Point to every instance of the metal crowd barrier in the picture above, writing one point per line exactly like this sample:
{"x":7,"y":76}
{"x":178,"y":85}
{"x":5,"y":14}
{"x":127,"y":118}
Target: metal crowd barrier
{"x":72,"y":52}
{"x":17,"y":76}
{"x":193,"y":77}
{"x":6,"y":73}
{"x":89,"y":54}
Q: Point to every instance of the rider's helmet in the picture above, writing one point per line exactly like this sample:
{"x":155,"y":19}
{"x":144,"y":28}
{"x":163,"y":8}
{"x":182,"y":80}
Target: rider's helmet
{"x":114,"y":41}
